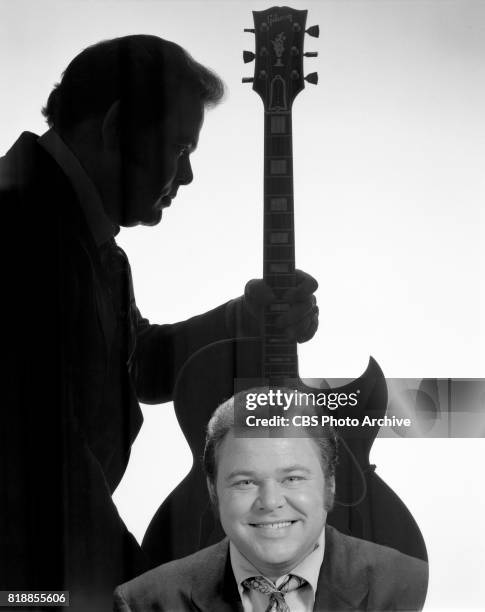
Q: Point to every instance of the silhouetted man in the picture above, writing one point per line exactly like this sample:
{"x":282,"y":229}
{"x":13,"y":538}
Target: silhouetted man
{"x":123,"y":122}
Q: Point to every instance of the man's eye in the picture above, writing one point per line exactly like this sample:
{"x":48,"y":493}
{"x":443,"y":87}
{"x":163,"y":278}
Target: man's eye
{"x":243,"y":484}
{"x":294,"y":479}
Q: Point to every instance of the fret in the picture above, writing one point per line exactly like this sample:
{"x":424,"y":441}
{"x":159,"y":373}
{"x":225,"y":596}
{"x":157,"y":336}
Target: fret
{"x":275,"y":332}
{"x":277,"y":247}
{"x":281,"y":360}
{"x":279,"y":252}
{"x":271,"y":329}
{"x":276,"y":227}
{"x":279,"y":185}
{"x":276,"y":353}
{"x":279,"y":222}
{"x":278,"y":147}
{"x":277,"y":282}
{"x":272,"y":318}
{"x":279,"y":374}
{"x":279,"y":216}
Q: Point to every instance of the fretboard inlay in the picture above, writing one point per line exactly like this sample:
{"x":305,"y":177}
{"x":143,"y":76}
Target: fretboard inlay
{"x":278,"y":124}
{"x":278,"y":204}
{"x":278,"y":237}
{"x":278,"y":166}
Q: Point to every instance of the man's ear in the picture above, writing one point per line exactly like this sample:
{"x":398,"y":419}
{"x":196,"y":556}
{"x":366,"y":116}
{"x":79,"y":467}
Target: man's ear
{"x":111,"y":127}
{"x":329,"y":493}
{"x":213,"y":497}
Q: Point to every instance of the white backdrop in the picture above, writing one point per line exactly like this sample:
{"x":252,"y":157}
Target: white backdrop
{"x":389,"y":152}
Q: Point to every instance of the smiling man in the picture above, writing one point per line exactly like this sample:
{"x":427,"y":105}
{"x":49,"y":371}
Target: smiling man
{"x":123,"y":121}
{"x":272,"y":495}
{"x":273,"y":502}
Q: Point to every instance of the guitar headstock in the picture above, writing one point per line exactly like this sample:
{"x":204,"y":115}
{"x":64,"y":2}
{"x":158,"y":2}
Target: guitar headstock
{"x":278,"y":57}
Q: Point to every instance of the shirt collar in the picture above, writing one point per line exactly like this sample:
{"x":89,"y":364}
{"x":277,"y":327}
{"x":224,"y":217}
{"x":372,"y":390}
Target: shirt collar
{"x":308,"y":568}
{"x":101,"y":227}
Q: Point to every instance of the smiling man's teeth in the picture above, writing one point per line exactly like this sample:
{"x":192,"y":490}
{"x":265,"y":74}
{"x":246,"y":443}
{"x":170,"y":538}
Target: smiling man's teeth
{"x":279,"y":525}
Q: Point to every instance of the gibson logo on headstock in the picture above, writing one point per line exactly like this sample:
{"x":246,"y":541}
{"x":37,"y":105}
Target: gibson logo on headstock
{"x":275,"y":18}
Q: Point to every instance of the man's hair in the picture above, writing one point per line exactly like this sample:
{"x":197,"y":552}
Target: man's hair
{"x":224,"y":421}
{"x":145,"y":73}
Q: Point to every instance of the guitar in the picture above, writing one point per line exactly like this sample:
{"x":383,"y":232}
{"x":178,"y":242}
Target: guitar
{"x":365,"y":506}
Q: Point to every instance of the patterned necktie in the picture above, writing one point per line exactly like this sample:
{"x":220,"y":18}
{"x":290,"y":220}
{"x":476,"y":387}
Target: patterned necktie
{"x":276,"y":595}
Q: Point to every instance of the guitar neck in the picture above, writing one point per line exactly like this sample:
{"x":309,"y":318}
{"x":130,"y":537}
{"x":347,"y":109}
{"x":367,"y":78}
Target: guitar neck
{"x":278,"y":79}
{"x":280,"y":360}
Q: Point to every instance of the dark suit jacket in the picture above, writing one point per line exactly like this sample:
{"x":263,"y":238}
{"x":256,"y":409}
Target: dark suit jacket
{"x":355,"y":575}
{"x":71,"y":381}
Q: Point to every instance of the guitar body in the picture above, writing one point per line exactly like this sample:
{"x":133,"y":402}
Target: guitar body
{"x":365,"y":506}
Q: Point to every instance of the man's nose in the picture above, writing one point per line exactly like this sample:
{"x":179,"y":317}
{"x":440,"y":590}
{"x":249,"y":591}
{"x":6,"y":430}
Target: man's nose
{"x":270,"y":496}
{"x":184,"y":174}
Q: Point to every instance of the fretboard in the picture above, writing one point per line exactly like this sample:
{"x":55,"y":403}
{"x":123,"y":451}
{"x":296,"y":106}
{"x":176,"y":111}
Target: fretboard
{"x":280,"y":360}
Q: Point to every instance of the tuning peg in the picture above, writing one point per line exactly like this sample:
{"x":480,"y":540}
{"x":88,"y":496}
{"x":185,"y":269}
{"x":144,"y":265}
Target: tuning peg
{"x":252,"y":30}
{"x":313,"y":31}
{"x":247,"y":79}
{"x":311,"y":54}
{"x":312,"y":78}
{"x":248,"y":56}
